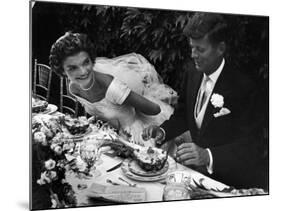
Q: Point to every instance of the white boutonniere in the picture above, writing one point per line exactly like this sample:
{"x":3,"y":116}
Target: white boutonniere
{"x":217,"y":101}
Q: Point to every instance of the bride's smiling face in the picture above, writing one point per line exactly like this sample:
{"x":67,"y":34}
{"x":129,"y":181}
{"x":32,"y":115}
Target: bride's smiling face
{"x":79,"y":69}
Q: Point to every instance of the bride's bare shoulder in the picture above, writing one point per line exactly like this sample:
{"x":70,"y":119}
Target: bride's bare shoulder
{"x":103,"y":78}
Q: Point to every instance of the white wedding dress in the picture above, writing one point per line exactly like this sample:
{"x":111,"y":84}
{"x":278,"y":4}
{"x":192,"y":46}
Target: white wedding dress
{"x":131,"y":72}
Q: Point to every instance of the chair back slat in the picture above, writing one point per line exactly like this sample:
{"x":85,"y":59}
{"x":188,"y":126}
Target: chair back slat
{"x":41,"y":97}
{"x":44,"y":75}
{"x":42,"y":87}
{"x":35,"y":76}
{"x":42,"y":80}
{"x":68,"y":110}
{"x":68,"y":103}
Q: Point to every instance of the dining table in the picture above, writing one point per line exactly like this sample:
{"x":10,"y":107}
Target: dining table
{"x":113,"y":172}
{"x":154,"y":189}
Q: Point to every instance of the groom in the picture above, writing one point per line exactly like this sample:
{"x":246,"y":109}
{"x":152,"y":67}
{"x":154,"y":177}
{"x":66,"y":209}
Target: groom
{"x":221,"y":109}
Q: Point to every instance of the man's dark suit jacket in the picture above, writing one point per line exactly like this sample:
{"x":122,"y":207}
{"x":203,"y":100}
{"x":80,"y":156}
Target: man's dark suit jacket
{"x":233,"y":139}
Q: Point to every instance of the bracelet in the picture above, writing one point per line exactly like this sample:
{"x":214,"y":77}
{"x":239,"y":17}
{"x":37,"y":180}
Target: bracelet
{"x":162,"y":140}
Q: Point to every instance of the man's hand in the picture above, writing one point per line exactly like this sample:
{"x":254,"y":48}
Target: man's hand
{"x":189,"y":154}
{"x":153,"y":132}
{"x":183,"y":138}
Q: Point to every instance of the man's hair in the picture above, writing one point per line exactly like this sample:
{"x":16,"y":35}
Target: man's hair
{"x":69,"y":45}
{"x":211,"y":24}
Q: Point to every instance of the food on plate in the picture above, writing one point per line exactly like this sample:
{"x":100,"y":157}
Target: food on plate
{"x":150,"y":158}
{"x":39,"y":105}
{"x":76,"y":125}
{"x":120,"y":149}
{"x":147,"y":158}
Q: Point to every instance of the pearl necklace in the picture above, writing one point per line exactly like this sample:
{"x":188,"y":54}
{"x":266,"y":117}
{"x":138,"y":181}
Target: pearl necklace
{"x":87,"y":89}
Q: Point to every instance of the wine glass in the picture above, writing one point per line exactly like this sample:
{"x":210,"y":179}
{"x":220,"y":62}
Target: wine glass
{"x":90,"y":155}
{"x":97,"y":144}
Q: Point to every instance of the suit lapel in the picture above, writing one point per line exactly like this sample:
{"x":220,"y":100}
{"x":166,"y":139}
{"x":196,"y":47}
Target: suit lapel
{"x":194,"y":85}
{"x":196,"y":81}
{"x":222,"y":88}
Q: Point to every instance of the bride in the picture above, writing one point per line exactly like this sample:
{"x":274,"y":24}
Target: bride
{"x":125,"y":89}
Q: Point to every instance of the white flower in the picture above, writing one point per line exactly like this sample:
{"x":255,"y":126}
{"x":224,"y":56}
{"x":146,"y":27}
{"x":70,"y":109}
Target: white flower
{"x":58,"y":150}
{"x":61,"y":164}
{"x":40,"y":137}
{"x":217,"y":100}
{"x":54,"y":203}
{"x":52,"y":175}
{"x":44,"y":179}
{"x":53,"y":146}
{"x":47,"y":131}
{"x":50,"y":164}
{"x":47,"y":177}
{"x":58,"y":138}
{"x":54,"y":200}
{"x":68,"y":146}
{"x":53,"y":124}
{"x":40,"y":182}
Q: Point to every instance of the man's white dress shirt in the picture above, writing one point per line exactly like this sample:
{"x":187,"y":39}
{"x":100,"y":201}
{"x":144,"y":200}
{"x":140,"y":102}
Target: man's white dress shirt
{"x":200,"y":116}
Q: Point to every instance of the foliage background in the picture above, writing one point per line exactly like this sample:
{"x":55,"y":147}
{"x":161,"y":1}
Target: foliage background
{"x":156,"y":34}
{"x":159,"y":35}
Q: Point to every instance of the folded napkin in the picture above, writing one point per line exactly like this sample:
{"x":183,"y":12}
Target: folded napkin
{"x":118,"y":193}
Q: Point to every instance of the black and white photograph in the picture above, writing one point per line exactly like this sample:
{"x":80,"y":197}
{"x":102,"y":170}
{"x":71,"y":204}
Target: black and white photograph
{"x":135,"y":105}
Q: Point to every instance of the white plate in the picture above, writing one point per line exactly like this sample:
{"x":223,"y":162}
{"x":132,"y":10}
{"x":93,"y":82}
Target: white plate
{"x":49,"y":110}
{"x":78,"y":136}
{"x":137,"y":170}
{"x":131,"y":175}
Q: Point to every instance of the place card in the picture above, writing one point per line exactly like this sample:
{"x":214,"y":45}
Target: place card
{"x":118,"y":193}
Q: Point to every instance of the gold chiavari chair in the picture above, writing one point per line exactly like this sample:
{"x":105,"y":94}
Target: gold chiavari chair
{"x":42,"y":77}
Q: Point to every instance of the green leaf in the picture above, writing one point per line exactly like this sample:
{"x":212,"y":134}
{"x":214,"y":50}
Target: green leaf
{"x":85,"y":22}
{"x":101,"y":10}
{"x":87,"y":7}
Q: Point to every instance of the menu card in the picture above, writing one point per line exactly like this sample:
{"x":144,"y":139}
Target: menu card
{"x":118,"y":193}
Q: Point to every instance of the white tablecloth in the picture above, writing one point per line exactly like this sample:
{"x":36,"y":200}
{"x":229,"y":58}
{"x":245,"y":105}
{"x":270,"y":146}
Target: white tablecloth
{"x":154,"y":190}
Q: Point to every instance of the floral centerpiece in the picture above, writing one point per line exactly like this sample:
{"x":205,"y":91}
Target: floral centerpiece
{"x":50,"y":160}
{"x":55,"y":153}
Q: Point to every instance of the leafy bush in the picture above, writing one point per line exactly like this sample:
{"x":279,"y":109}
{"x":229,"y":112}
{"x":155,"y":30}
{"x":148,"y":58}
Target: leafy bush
{"x":156,"y":34}
{"x":159,"y":36}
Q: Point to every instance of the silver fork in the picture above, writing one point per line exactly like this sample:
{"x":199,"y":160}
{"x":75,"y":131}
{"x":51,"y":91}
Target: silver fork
{"x":111,"y":182}
{"x":130,"y":184}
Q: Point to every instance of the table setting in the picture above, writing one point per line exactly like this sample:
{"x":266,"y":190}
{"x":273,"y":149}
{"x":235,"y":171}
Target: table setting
{"x":42,"y":106}
{"x":87,"y":163}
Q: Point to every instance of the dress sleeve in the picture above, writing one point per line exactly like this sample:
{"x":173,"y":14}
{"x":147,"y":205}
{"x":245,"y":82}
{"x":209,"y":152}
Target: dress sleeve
{"x":117,"y":91}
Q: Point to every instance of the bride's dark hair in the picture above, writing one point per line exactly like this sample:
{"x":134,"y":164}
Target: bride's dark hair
{"x":69,"y":45}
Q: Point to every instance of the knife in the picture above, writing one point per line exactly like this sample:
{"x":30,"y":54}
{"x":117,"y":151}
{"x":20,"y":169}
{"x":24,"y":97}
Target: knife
{"x":114,"y":167}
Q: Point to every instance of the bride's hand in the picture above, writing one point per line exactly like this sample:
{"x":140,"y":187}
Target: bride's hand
{"x":150,"y":132}
{"x":153,"y":132}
